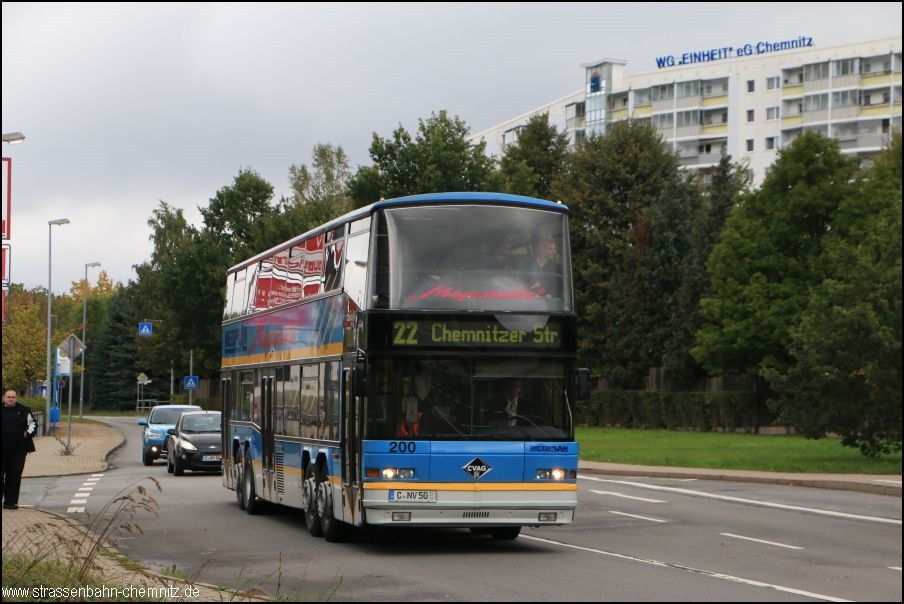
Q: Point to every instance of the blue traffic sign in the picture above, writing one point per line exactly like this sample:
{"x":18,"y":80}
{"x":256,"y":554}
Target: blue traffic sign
{"x":190,"y":382}
{"x":145,"y":329}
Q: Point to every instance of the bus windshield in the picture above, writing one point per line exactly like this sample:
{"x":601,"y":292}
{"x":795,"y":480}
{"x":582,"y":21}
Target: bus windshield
{"x":468,"y":399}
{"x":466,"y":257}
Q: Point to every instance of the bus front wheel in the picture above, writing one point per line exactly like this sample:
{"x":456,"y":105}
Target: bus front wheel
{"x":253,"y":505}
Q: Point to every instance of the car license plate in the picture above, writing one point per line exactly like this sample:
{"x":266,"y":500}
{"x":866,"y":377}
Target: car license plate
{"x":412,"y":496}
{"x":210,"y":458}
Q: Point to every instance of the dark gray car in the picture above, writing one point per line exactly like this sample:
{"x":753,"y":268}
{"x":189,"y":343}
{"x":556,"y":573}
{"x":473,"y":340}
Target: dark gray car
{"x":195,"y":443}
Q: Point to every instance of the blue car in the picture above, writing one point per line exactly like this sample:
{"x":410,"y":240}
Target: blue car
{"x":154,"y":435}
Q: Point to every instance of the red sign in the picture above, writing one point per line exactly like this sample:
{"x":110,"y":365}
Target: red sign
{"x":5,"y":316}
{"x":7,"y":173}
{"x":6,"y":258}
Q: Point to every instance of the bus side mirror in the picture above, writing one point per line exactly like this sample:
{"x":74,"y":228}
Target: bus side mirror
{"x":583,"y":384}
{"x":359,"y":379}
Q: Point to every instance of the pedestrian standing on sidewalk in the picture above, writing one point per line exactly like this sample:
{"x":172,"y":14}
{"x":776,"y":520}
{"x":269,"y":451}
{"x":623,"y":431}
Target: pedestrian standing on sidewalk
{"x":19,"y":429}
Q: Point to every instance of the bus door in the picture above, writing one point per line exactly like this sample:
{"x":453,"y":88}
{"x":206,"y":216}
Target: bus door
{"x":268,"y":381}
{"x":349,"y":428}
{"x":225,"y":435}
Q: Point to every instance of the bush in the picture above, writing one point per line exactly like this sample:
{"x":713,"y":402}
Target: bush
{"x":701,"y":411}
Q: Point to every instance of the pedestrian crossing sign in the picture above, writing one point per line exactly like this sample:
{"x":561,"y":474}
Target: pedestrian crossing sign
{"x":145,"y":329}
{"x":190,"y":382}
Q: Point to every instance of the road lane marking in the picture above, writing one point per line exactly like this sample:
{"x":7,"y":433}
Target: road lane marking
{"x":897,"y":568}
{"x":78,"y":501}
{"x":636,"y":516}
{"x":896,"y":482}
{"x":617,"y":494}
{"x":690,"y":569}
{"x":768,"y":504}
{"x":775,"y":543}
{"x":79,"y":510}
{"x":87,"y":489}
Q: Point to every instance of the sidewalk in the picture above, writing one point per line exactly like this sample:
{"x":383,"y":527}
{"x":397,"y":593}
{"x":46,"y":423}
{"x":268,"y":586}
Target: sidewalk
{"x":42,"y":535}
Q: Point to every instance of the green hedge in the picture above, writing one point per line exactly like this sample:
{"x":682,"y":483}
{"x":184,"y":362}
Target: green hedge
{"x":701,"y":411}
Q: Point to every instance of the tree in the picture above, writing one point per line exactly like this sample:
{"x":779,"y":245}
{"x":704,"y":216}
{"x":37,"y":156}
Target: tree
{"x":440,"y":158}
{"x":540,"y":147}
{"x":117,"y":352}
{"x":766,"y":260}
{"x":630,"y":215}
{"x":231,"y":214}
{"x":24,"y":338}
{"x":846,"y":348}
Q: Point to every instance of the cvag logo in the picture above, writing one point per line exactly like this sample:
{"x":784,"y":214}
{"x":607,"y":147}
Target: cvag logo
{"x":476,"y":468}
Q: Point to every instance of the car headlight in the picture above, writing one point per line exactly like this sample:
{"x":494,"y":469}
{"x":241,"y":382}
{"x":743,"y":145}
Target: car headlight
{"x":188,"y":446}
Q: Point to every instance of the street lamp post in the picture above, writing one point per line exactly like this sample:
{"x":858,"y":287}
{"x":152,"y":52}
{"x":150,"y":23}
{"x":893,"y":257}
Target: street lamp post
{"x":81,"y":390}
{"x":50,"y":384}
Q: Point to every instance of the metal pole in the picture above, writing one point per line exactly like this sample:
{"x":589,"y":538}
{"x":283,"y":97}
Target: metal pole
{"x":71,"y":383}
{"x":191,"y":371}
{"x":47,"y":392}
{"x":171,"y":377}
{"x":50,"y":382}
{"x":81,"y":392}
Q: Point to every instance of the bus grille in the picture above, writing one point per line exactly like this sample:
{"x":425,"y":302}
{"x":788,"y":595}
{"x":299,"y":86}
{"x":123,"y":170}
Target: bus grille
{"x":280,"y":457}
{"x":475,"y":515}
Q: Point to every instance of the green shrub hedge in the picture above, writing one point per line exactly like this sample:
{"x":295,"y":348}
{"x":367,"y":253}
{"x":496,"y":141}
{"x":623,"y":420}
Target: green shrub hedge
{"x":701,"y":411}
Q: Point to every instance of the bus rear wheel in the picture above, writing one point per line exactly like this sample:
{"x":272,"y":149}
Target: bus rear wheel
{"x":238,"y":483}
{"x":332,"y":528}
{"x":253,"y":505}
{"x":309,"y":493}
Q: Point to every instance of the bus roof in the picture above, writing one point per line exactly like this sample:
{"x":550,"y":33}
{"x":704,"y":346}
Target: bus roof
{"x":425,"y":199}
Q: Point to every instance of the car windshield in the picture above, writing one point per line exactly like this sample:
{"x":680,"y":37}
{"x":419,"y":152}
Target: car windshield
{"x":201,"y":423}
{"x":161,"y":415}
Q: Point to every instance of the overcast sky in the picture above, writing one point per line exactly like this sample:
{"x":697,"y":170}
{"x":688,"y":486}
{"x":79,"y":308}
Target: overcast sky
{"x":125,"y":105}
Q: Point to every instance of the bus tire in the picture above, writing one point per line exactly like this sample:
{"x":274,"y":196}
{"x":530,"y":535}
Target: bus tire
{"x":505,"y":533}
{"x":332,"y":528}
{"x":309,"y":493}
{"x":237,"y":483}
{"x":253,"y":505}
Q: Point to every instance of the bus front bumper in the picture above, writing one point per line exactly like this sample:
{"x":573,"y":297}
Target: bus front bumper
{"x":470,"y":505}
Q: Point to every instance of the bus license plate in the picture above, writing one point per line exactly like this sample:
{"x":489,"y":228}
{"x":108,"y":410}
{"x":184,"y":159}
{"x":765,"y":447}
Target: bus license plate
{"x":210,"y":458}
{"x":412,"y":496}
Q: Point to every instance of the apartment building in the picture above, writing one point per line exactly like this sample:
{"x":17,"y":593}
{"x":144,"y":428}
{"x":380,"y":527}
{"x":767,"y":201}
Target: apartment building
{"x":748,"y":102}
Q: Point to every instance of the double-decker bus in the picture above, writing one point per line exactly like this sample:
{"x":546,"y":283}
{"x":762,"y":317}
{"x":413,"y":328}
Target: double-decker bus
{"x":411,"y":363}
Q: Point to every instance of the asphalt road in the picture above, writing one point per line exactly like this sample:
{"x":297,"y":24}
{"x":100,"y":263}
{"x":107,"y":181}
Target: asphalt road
{"x":634,"y":539}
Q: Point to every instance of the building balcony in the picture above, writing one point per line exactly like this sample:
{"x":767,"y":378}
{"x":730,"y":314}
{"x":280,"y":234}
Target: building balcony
{"x":716,"y":101}
{"x":883,"y":110}
{"x":814,"y":85}
{"x":643,"y":111}
{"x":793,"y":91}
{"x":851,"y":142}
{"x":880,"y":79}
{"x":792,"y":121}
{"x":715,"y":129}
{"x":689,"y":101}
{"x":618,"y":114}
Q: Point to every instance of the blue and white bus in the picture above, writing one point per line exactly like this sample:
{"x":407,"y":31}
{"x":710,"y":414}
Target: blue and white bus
{"x":411,"y":363}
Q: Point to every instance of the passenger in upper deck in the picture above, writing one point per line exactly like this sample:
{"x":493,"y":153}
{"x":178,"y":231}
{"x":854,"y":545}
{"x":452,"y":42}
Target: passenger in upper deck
{"x":546,"y":268}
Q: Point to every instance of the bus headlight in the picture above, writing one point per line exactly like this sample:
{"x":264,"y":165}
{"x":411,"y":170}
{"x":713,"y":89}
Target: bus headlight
{"x":552,"y":474}
{"x":391,"y":473}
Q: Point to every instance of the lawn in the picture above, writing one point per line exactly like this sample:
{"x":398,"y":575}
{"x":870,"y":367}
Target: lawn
{"x":729,"y":451}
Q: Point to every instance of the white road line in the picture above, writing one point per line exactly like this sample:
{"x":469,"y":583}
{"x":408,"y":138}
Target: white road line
{"x":78,"y":501}
{"x":97,"y":476}
{"x":707,"y":573}
{"x":86,"y":488}
{"x":636,"y":516}
{"x":617,"y":494}
{"x":760,"y":541}
{"x":92,"y":481}
{"x":768,"y":504}
{"x":897,"y":482}
{"x":80,"y":510}
{"x":897,"y":568}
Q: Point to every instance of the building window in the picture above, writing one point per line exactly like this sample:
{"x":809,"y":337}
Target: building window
{"x":750,"y":115}
{"x":846,"y":67}
{"x":816,"y":102}
{"x":750,"y":144}
{"x":773,"y":83}
{"x":770,"y":143}
{"x":845,"y":98}
{"x":751,"y":85}
{"x":772,"y":113}
{"x":705,"y":148}
{"x":817,"y":71}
